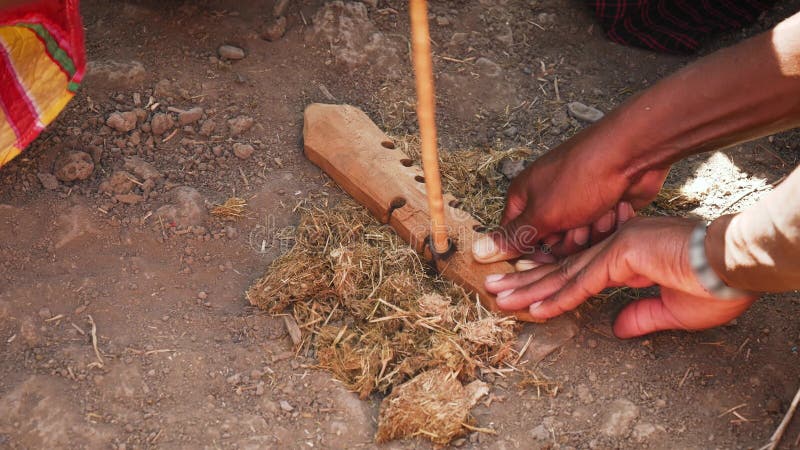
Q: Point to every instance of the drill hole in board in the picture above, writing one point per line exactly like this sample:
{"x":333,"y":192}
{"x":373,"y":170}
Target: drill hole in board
{"x":406,"y":162}
{"x":454,"y":203}
{"x":419,"y":179}
{"x":480,"y":228}
{"x":388,"y":144}
{"x":397,"y":203}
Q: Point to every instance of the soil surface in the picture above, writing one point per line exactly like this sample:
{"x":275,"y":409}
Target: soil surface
{"x":116,"y":242}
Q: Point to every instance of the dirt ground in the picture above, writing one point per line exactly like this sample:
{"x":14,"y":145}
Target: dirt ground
{"x":181,"y":359}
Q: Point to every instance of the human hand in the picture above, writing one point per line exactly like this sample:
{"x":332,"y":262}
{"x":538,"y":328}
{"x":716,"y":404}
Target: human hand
{"x":644,"y":252}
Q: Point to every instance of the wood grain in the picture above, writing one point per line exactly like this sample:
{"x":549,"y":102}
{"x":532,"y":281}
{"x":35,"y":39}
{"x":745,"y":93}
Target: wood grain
{"x":352,"y":150}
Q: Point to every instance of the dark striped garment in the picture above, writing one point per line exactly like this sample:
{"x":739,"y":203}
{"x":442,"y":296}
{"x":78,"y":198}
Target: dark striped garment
{"x":673,"y":26}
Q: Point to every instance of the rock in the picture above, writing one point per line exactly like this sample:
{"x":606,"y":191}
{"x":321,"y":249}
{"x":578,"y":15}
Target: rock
{"x":129,"y":199}
{"x":161,"y":123}
{"x":230,"y":52}
{"x":585,"y":113}
{"x":186,"y":209}
{"x":773,"y":405}
{"x":546,"y":19}
{"x":120,"y":182}
{"x":548,"y":337}
{"x":618,"y":419}
{"x":458,"y":39}
{"x":540,"y":433}
{"x":243,"y":151}
{"x":286,"y":406}
{"x":114,"y":74}
{"x":165,"y":89}
{"x":142,"y":168}
{"x":488,"y":68}
{"x":45,"y":313}
{"x":506,"y":37}
{"x":643,"y":431}
{"x":239,"y":125}
{"x":231,"y":232}
{"x":585,"y":394}
{"x":442,"y":21}
{"x":74,"y":166}
{"x":207,"y":128}
{"x":202,"y":295}
{"x":280,"y":8}
{"x":275,"y":30}
{"x":511,"y":131}
{"x":122,"y":121}
{"x":48,"y":180}
{"x":234,"y":379}
{"x":190,"y":116}
{"x":510,"y":168}
{"x":354,"y":41}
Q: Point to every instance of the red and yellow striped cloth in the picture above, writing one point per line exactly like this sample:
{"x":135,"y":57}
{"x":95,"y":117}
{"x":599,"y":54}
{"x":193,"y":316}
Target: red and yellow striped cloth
{"x":42,"y":62}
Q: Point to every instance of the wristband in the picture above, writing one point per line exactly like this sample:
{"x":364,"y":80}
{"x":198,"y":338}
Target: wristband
{"x":705,"y":274}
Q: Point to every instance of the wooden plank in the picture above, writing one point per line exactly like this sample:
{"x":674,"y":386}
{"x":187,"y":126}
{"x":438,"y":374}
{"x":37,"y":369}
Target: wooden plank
{"x":352,"y":150}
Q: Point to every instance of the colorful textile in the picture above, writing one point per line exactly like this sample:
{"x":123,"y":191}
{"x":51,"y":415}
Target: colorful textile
{"x":673,"y":26}
{"x":42,"y":62}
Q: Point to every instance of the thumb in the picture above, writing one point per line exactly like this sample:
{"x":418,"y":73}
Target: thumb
{"x":517,"y":236}
{"x":644,"y":317}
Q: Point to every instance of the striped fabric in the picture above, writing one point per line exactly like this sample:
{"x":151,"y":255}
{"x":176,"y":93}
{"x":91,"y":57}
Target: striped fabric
{"x":41,"y":65}
{"x":673,"y":26}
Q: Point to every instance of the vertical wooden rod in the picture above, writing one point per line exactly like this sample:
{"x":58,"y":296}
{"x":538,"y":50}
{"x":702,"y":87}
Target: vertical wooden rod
{"x":426,"y":116}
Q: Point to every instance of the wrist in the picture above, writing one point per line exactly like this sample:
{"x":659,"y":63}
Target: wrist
{"x":702,"y":250}
{"x":715,"y":245}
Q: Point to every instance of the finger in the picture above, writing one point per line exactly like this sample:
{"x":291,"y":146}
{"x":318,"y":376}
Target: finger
{"x":603,"y":227}
{"x":588,"y":276}
{"x":574,"y":241}
{"x":515,"y":238}
{"x":625,"y":213}
{"x":511,"y":281}
{"x":644,"y":317}
{"x":526,"y":264}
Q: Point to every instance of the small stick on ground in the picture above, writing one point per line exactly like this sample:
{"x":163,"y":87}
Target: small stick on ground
{"x":94,"y":341}
{"x":787,"y":418}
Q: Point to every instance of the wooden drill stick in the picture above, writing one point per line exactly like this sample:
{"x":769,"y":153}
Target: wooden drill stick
{"x":426,"y":116}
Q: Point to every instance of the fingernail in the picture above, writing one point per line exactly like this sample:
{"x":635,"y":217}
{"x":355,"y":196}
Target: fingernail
{"x":525,"y":264}
{"x":484,"y":247}
{"x":502,"y":295}
{"x":494,"y":278}
{"x":624,"y":212}
{"x":582,"y":236}
{"x":535,"y":305}
{"x":606,"y":222}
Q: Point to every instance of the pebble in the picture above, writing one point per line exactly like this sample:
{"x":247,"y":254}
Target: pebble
{"x":510,"y":168}
{"x":190,"y":116}
{"x":592,"y":343}
{"x":243,"y":151}
{"x":142,"y":168}
{"x":773,"y":405}
{"x":488,"y":67}
{"x":45,"y":313}
{"x":129,"y":199}
{"x":122,"y":121}
{"x":231,"y":232}
{"x":239,"y":125}
{"x":585,"y":113}
{"x":234,"y":379}
{"x":74,"y":166}
{"x":540,"y":433}
{"x":48,"y":180}
{"x":280,"y":8}
{"x":161,"y":123}
{"x":511,"y":131}
{"x":202,"y":295}
{"x":230,"y":52}
{"x":619,"y":418}
{"x":442,"y":21}
{"x":187,"y":207}
{"x":286,"y":406}
{"x":207,"y":128}
{"x":275,"y":30}
{"x":120,"y":182}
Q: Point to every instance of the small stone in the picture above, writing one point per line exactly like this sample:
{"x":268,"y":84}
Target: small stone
{"x":122,"y":121}
{"x":45,"y":313}
{"x":592,"y":343}
{"x":120,"y":182}
{"x":239,"y":125}
{"x":243,"y":151}
{"x":231,"y":232}
{"x":129,"y":199}
{"x":48,"y":180}
{"x":442,"y":21}
{"x":275,"y":30}
{"x":202,"y":295}
{"x":618,"y":419}
{"x":234,"y":379}
{"x":190,"y":116}
{"x":585,"y":113}
{"x":642,"y":431}
{"x":458,"y":39}
{"x":260,"y":389}
{"x":207,"y":128}
{"x":773,"y":405}
{"x":585,"y":394}
{"x":510,"y":168}
{"x":286,"y":406}
{"x":488,"y":67}
{"x":187,"y":208}
{"x":74,"y":166}
{"x":161,"y":123}
{"x":230,"y":52}
{"x":142,"y":168}
{"x":114,"y":74}
{"x":540,"y":433}
{"x":510,"y":131}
